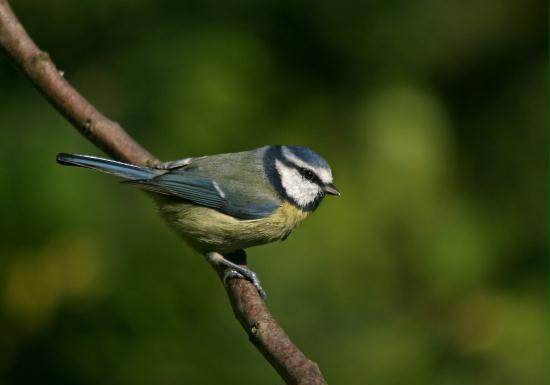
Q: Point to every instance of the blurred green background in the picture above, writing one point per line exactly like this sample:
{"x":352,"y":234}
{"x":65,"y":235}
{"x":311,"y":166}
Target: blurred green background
{"x":431,"y":268}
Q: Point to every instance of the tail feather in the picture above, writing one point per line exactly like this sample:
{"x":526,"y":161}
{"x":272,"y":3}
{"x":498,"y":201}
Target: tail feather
{"x":108,"y":166}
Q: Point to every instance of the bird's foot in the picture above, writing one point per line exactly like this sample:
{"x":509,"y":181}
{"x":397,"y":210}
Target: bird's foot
{"x":231,"y":274}
{"x":236,"y":271}
{"x":245,"y":274}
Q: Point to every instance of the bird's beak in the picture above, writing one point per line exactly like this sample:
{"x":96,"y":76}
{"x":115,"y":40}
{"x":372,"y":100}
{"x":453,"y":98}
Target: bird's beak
{"x":331,"y":189}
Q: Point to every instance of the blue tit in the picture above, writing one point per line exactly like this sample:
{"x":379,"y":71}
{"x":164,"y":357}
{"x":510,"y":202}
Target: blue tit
{"x":222,"y":204}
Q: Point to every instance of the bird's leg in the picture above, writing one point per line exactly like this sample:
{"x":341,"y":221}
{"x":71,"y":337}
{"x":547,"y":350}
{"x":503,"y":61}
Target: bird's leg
{"x":235,"y":270}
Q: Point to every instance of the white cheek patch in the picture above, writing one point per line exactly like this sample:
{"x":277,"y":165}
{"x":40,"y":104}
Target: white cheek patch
{"x":302,"y":191}
{"x":323,"y":173}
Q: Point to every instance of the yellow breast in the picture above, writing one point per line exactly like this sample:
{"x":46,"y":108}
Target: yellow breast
{"x":206,"y":229}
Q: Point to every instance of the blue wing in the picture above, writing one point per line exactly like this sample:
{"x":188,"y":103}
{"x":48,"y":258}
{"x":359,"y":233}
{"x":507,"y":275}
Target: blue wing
{"x":239,"y":201}
{"x":189,"y":187}
{"x":215,"y":181}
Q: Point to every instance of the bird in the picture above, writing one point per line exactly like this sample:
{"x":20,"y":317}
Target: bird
{"x":225,"y":203}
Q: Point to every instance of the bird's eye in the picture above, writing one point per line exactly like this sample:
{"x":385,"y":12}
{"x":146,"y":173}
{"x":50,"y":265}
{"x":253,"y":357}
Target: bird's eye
{"x":308,"y":174}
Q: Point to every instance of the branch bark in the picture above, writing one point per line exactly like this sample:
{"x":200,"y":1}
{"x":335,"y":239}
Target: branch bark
{"x":249,"y":309}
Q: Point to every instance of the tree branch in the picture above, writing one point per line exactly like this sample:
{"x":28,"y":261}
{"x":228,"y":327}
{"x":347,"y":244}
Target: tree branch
{"x":43,"y":74}
{"x":264,"y":332}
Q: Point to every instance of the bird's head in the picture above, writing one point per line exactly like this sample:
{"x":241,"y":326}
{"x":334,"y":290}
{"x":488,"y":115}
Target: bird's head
{"x":300,"y":175}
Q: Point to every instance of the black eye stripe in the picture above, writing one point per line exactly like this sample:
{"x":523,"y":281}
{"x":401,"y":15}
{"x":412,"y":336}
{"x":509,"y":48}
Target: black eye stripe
{"x":310,"y":175}
{"x":305,"y":172}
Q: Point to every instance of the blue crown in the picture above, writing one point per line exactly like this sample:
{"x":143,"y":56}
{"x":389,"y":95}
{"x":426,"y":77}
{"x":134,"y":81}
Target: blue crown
{"x":309,"y":156}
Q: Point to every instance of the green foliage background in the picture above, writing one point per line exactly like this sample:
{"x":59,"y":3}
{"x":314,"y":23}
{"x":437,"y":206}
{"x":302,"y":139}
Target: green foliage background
{"x":430,"y":269}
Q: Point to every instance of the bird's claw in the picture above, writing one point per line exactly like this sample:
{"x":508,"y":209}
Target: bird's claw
{"x":249,"y":275}
{"x":235,"y":270}
{"x":231,"y":274}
